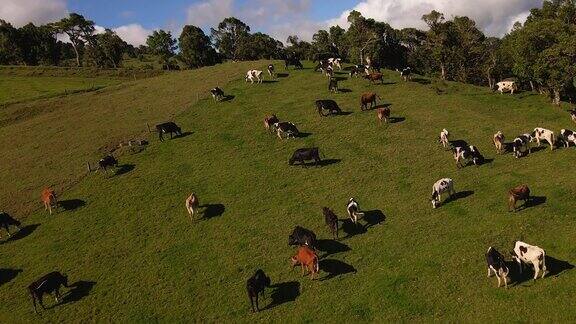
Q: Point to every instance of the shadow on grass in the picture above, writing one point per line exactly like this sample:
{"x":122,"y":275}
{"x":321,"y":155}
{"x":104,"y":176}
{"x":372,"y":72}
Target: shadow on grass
{"x":124,"y":168}
{"x":459,"y":143}
{"x":303,"y":135}
{"x":331,"y":247}
{"x":345,"y":90}
{"x":184,"y":134}
{"x":22,"y":233}
{"x":421,"y":81}
{"x":340,"y":78}
{"x":7,"y":275}
{"x":373,"y":217}
{"x":80,"y":289}
{"x":72,"y":204}
{"x":554,"y":268}
{"x":395,"y":120}
{"x":269,"y":81}
{"x":327,"y":162}
{"x":283,"y":293}
{"x":282,"y":75}
{"x":335,"y":268}
{"x":461,"y":195}
{"x":213,"y":210}
{"x":228,"y":98}
{"x":352,"y":229}
{"x":381,"y":106}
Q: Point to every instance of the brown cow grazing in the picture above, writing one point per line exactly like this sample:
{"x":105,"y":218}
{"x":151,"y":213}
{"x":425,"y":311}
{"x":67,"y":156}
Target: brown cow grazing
{"x":192,"y":205}
{"x":308,"y":259}
{"x":521,"y":192}
{"x":383,"y":113}
{"x":375,"y":77}
{"x":269,"y":121}
{"x":498,"y":140}
{"x":368,"y":98}
{"x":49,"y":199}
{"x":331,"y":220}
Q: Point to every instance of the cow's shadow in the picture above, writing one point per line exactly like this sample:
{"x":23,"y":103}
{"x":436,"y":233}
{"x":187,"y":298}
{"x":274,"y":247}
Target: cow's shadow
{"x":283,"y":293}
{"x":228,"y":98}
{"x":7,"y":275}
{"x":554,"y":267}
{"x":384,"y":105}
{"x":352,"y":229}
{"x":282,"y":75}
{"x":331,"y":247}
{"x":533,"y":201}
{"x":335,"y":268}
{"x":268,"y":81}
{"x":341,"y":113}
{"x":373,"y":217}
{"x":71,"y":204}
{"x":327,"y":162}
{"x":459,"y":143}
{"x":460,"y":195}
{"x":395,"y":120}
{"x":213,"y":210}
{"x":303,"y":135}
{"x":22,"y":233}
{"x":344,"y":90}
{"x":183,"y":134}
{"x":80,"y":289}
{"x":124,"y":168}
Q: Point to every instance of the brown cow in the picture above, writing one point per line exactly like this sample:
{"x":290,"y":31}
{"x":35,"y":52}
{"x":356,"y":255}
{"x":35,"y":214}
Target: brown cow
{"x":269,"y":121}
{"x":521,"y":192}
{"x":49,"y":199}
{"x":306,"y":258}
{"x":368,"y":98}
{"x":192,"y":204}
{"x":383,"y":113}
{"x":375,"y":77}
{"x":498,"y":140}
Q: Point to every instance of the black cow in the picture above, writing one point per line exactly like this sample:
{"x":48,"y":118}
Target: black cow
{"x":7,"y":220}
{"x":217,"y":94}
{"x":333,"y":85}
{"x":330,"y":105}
{"x":255,"y":285}
{"x":331,"y":220}
{"x":107,"y":162}
{"x":293,"y":61}
{"x":48,"y":284}
{"x":301,"y":236}
{"x":168,"y":127}
{"x":497,"y":265}
{"x":305,"y":154}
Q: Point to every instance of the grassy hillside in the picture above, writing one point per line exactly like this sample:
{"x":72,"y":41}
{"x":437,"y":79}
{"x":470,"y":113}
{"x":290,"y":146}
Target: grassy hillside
{"x":128,"y":242}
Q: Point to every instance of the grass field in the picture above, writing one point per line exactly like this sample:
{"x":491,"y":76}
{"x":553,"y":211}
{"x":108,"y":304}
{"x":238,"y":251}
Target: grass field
{"x":128,"y":243}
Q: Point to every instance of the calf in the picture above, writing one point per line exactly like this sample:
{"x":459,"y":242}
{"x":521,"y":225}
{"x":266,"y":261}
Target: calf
{"x":375,"y":76}
{"x":253,"y":75}
{"x":353,"y":210}
{"x":330,"y":105}
{"x":48,"y":197}
{"x":192,"y":204}
{"x":168,"y":127}
{"x":217,"y":94}
{"x":515,"y":194}
{"x":498,"y":140}
{"x":48,"y":284}
{"x":497,"y":266}
{"x":521,"y":142}
{"x":331,"y":220}
{"x":107,"y":162}
{"x":383,"y":113}
{"x":7,"y":220}
{"x":567,"y":137}
{"x":271,"y":71}
{"x":505,"y":86}
{"x":255,"y":286}
{"x":530,"y":254}
{"x":301,"y":236}
{"x":467,"y":153}
{"x":540,"y":134}
{"x":441,"y":186}
{"x":286,"y":130}
{"x":368,"y":98}
{"x":269,"y":121}
{"x":333,"y":85}
{"x":444,"y":138}
{"x":305,"y":154}
{"x":308,"y":259}
{"x":406,"y":74}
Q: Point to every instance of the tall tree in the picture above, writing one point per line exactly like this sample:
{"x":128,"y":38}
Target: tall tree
{"x":8,"y":43}
{"x":37,"y":45}
{"x":79,"y":30}
{"x":162,"y":44}
{"x":229,"y":36}
{"x":195,"y":48}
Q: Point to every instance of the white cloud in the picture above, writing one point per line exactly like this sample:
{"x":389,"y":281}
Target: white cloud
{"x":133,"y":34}
{"x":21,"y":12}
{"x":494,"y":17}
{"x":209,"y":13}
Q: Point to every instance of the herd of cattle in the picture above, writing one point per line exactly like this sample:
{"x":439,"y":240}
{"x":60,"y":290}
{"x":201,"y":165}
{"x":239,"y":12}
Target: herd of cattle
{"x":306,"y":255}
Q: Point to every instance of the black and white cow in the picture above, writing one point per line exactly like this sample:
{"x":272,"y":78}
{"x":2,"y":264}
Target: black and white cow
{"x":406,"y":74}
{"x":168,"y":128}
{"x":6,"y":221}
{"x":286,"y":130}
{"x":353,"y":210}
{"x":333,"y":85}
{"x":327,"y":105}
{"x":255,"y":286}
{"x":107,"y":162}
{"x":520,"y":144}
{"x":48,"y":284}
{"x":305,"y":154}
{"x":567,"y":137}
{"x":497,"y":266}
{"x":271,"y":70}
{"x":335,"y":62}
{"x":525,"y":253}
{"x":540,"y":134}
{"x":253,"y":75}
{"x":466,"y":153}
{"x":302,"y":236}
{"x":441,"y":186}
{"x":217,"y":94}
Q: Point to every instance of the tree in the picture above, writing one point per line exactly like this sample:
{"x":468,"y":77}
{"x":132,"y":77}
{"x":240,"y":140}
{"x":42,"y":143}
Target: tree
{"x":360,"y":36}
{"x":440,"y":40}
{"x":37,"y":45}
{"x":106,"y":50}
{"x":229,"y":36}
{"x":78,"y":29}
{"x":163,"y":45}
{"x":8,"y":44}
{"x":299,"y":49}
{"x":195,"y":48}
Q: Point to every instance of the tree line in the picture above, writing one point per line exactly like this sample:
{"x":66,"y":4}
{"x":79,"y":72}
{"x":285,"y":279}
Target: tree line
{"x":540,"y":54}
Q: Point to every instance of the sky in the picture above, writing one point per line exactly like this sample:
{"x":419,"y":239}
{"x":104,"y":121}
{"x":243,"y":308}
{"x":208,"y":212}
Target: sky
{"x":134,"y":20}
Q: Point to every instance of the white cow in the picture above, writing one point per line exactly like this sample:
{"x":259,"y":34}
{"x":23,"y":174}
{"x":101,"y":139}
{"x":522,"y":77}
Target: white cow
{"x":444,"y":138}
{"x":507,"y":86}
{"x":254,"y":74}
{"x":567,"y":137}
{"x":544,"y":134}
{"x":530,"y":254}
{"x":440,"y":187}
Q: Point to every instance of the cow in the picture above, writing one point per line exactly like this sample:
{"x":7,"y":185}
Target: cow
{"x":463,"y":153}
{"x":406,"y":74}
{"x":497,"y":266}
{"x":293,"y":61}
{"x":521,"y":142}
{"x":441,"y":186}
{"x":269,"y":121}
{"x":48,"y":197}
{"x":515,"y":194}
{"x":286,"y":130}
{"x":444,"y":138}
{"x":255,"y":286}
{"x":567,"y":136}
{"x":48,"y":284}
{"x":330,"y":105}
{"x":353,"y":210}
{"x":253,"y":75}
{"x":333,"y":85}
{"x":336,"y":62}
{"x":107,"y":162}
{"x":505,"y":86}
{"x":375,"y":76}
{"x":530,"y":254}
{"x":356,"y":70}
{"x":368,"y":98}
{"x":498,"y":140}
{"x":540,"y":134}
{"x":573,"y":115}
{"x":6,"y":221}
{"x":168,"y":128}
{"x":301,"y":236}
{"x":270,"y":70}
{"x":217,"y":94}
{"x":305,"y":154}
{"x":331,"y":220}
{"x":329,"y":71}
{"x":192,"y":204}
{"x":308,"y":259}
{"x":383,"y":113}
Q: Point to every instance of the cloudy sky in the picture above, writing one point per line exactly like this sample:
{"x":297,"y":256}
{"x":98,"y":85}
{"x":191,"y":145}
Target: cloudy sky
{"x":133,"y":20}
